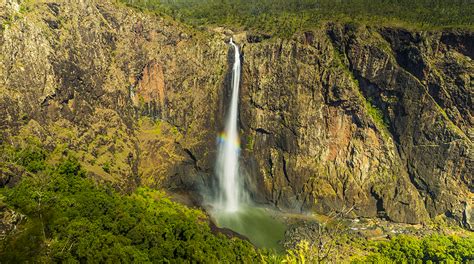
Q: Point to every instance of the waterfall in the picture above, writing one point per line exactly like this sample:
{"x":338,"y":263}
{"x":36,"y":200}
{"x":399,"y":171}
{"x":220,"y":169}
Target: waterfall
{"x":232,"y":208}
{"x":227,"y":168}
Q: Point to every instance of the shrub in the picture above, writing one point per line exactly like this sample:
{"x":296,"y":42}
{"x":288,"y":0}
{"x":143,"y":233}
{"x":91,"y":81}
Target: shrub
{"x":71,"y":219}
{"x":430,"y":249}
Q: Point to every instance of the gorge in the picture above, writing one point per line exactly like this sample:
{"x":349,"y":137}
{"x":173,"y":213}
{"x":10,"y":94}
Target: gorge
{"x":374,"y":120}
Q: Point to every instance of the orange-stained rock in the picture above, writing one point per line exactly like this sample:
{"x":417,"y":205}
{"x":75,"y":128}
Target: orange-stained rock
{"x":150,"y":85}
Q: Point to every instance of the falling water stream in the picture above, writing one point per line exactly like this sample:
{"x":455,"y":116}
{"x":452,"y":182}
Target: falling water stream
{"x":232,"y":209}
{"x":229,"y":148}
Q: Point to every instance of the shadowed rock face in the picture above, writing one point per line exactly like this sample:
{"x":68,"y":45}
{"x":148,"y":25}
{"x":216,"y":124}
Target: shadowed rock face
{"x":374,"y":119}
{"x":349,"y":119}
{"x":321,"y":148}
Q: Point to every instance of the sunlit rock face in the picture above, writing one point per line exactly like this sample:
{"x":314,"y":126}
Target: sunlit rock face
{"x":374,"y":119}
{"x":355,"y":117}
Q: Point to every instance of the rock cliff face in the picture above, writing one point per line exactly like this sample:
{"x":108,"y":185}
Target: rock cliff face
{"x":79,"y":74}
{"x":374,"y":119}
{"x":357,"y":117}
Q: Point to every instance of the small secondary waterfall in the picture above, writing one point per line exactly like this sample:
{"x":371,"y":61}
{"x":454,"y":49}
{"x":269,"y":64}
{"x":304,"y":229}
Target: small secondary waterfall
{"x":227,"y":168}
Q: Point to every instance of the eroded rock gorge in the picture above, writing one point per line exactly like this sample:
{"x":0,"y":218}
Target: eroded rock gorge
{"x":345,"y":116}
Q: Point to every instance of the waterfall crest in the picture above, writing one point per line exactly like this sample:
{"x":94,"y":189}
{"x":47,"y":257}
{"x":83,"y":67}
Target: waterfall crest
{"x":227,"y":167}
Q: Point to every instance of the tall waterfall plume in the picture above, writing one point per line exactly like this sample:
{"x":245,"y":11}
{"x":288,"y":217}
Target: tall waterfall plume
{"x":227,"y":167}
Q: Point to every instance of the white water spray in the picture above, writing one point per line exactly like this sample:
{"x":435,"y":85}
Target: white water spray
{"x":231,"y":189}
{"x":232,"y":207}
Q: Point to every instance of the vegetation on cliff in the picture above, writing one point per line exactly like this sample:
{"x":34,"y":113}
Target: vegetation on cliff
{"x":70,"y":67}
{"x":69,"y":218}
{"x":285,"y":17}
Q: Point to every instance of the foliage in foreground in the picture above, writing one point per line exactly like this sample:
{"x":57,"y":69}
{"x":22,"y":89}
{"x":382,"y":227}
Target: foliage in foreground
{"x":70,"y":219}
{"x":284,"y":17}
{"x":400,"y":249}
{"x":430,"y":249}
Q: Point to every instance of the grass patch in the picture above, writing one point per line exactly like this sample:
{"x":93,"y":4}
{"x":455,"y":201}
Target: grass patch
{"x":250,"y":142}
{"x":376,"y":114}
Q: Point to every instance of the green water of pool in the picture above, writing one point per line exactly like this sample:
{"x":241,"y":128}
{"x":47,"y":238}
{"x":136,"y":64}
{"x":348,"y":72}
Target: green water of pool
{"x":260,"y":225}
